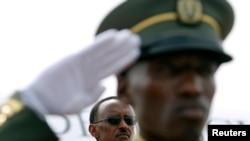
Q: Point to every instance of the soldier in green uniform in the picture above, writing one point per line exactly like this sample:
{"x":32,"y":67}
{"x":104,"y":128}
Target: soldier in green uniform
{"x":171,"y":85}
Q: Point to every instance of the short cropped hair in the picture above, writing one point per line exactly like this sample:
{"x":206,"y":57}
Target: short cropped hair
{"x":95,"y":108}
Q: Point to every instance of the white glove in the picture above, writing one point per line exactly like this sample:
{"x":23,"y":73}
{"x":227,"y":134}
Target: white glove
{"x":74,"y":83}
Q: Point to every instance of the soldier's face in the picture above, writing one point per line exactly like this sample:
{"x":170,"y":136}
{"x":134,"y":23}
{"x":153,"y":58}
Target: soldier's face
{"x":171,"y":95}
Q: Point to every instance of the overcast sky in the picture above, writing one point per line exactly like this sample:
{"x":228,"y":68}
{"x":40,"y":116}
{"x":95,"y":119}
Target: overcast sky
{"x":35,"y":34}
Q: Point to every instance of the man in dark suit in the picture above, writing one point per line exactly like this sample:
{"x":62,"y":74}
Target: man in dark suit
{"x":112,"y":120}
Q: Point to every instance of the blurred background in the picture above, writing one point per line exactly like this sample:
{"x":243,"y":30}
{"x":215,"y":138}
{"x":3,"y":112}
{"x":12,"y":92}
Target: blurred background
{"x":36,"y":34}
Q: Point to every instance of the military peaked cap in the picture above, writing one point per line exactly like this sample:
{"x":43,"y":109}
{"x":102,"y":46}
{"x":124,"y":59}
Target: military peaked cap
{"x":175,"y":25}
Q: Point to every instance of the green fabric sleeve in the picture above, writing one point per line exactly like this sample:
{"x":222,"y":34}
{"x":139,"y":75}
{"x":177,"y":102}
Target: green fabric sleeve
{"x":25,"y":125}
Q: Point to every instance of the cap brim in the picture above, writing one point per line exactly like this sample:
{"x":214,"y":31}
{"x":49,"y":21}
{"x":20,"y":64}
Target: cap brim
{"x":183,"y":43}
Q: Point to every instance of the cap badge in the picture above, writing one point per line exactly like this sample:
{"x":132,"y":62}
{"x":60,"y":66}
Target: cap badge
{"x":189,"y":11}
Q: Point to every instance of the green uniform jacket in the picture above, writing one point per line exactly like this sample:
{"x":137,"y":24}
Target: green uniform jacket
{"x":26,"y":126}
{"x":23,"y":125}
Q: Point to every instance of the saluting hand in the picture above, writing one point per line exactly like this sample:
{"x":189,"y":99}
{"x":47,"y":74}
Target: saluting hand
{"x":74,"y":83}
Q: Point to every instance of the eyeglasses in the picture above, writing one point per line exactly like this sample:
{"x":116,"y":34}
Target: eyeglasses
{"x":116,"y":120}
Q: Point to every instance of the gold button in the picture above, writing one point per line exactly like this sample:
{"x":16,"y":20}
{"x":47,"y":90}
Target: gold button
{"x":3,"y":118}
{"x":7,"y":110}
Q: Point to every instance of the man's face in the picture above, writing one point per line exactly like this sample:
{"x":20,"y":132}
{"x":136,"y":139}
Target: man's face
{"x":171,"y":95}
{"x":109,"y":128}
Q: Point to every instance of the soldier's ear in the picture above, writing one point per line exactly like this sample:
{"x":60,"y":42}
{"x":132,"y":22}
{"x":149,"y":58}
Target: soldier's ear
{"x":94,"y":131}
{"x":122,"y":90}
